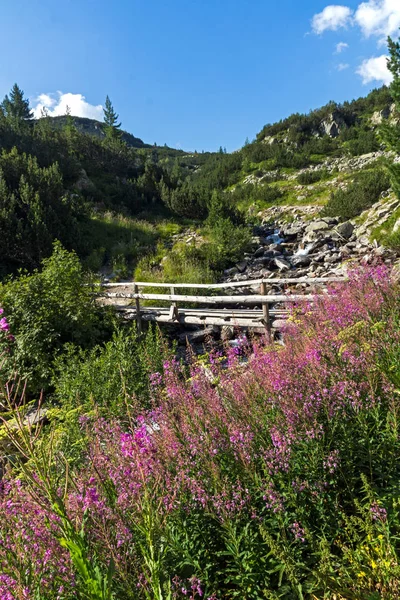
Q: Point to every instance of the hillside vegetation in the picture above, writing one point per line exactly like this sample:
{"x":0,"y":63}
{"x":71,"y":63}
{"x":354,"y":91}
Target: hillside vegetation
{"x":107,"y":196}
{"x":265,"y":469}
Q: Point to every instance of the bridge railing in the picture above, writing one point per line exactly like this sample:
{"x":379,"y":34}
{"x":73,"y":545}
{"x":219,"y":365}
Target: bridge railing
{"x":242,"y":317}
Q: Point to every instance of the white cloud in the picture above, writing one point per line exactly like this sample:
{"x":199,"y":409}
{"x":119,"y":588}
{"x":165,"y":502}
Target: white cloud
{"x":342,"y":66}
{"x":378,"y":17}
{"x":333,"y":17}
{"x":375,"y":69}
{"x":58,"y":106}
{"x":340,"y":47}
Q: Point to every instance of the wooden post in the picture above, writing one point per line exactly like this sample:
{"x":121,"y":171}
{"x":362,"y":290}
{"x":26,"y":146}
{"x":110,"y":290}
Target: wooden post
{"x":138,"y":314}
{"x":265,"y":308}
{"x":173,"y":313}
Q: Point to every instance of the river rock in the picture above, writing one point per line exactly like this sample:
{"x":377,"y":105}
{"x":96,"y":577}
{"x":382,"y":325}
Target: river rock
{"x":259,"y":252}
{"x":230,"y":272}
{"x":241,"y":266}
{"x":227,"y":333}
{"x":282,"y":264}
{"x":200,"y":336}
{"x":293,"y":231}
{"x":315,"y":226}
{"x":345,"y":230}
{"x":301,"y":261}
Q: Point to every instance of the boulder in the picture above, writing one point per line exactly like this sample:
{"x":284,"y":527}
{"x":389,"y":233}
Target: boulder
{"x":227,"y":333}
{"x":301,"y":261}
{"x":278,"y":247}
{"x":263,"y":261}
{"x":259,"y":252}
{"x":282,"y":264}
{"x":200,"y":336}
{"x":333,"y":125}
{"x":345,"y":230}
{"x":320,"y":225}
{"x":332,"y":258}
{"x":241,"y":266}
{"x":230,"y":272}
{"x":293,"y":231}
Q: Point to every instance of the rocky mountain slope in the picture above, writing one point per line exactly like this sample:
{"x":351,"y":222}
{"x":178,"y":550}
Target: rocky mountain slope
{"x":96,"y":129}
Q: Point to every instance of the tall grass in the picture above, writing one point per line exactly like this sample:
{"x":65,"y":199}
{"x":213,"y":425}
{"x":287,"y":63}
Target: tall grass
{"x":274,"y":477}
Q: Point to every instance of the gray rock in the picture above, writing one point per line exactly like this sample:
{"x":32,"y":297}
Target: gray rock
{"x":301,"y":261}
{"x":345,"y":230}
{"x":227,"y":333}
{"x":282,"y":264}
{"x":198,"y":337}
{"x":293,"y":231}
{"x":333,"y":258}
{"x":315,"y":226}
{"x":259,"y":252}
{"x":263,"y":261}
{"x":278,"y":247}
{"x":230,"y":272}
{"x":241,"y":266}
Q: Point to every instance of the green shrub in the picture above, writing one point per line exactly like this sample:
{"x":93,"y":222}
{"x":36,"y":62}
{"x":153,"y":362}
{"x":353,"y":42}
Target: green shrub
{"x":360,"y":195}
{"x":227,"y":243}
{"x":366,"y":142}
{"x":116,"y":374}
{"x":249,"y":193}
{"x":309,"y":177}
{"x":385,"y":233}
{"x":46,"y":310}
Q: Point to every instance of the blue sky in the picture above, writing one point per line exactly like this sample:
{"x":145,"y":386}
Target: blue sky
{"x":194,"y":75}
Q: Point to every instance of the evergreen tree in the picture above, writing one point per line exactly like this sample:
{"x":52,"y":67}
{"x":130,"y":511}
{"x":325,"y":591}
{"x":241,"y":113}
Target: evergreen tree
{"x":69,"y":126}
{"x":15,"y":107}
{"x":112,"y":127}
{"x":390,"y":132}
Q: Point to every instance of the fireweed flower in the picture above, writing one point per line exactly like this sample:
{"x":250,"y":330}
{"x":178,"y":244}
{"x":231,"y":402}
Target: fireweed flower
{"x":237,"y":451}
{"x":378,"y":513}
{"x":298,"y":532}
{"x":4,"y":326}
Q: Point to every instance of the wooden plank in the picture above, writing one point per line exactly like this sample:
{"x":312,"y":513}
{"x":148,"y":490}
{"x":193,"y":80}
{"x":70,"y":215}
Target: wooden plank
{"x":205,"y":320}
{"x":232,"y":284}
{"x":217,"y":299}
{"x":254,"y":314}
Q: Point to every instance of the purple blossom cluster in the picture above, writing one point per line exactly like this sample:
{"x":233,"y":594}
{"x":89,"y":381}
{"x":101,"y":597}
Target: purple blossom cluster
{"x":226,"y":451}
{"x":4,"y":326}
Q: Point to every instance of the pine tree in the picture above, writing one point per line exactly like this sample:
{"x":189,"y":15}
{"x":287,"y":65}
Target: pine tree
{"x":15,"y":107}
{"x":390,"y":132}
{"x":112,"y":127}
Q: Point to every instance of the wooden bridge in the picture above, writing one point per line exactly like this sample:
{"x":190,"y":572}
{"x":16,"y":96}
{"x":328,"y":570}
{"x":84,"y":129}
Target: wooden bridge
{"x":257,"y":310}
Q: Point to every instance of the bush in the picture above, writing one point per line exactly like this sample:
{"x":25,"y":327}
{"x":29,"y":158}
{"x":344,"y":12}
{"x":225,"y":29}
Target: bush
{"x":46,"y":310}
{"x":360,"y":195}
{"x":309,"y":177}
{"x":227,"y":243}
{"x":116,"y":374}
{"x":273,"y":477}
{"x":366,"y":142}
{"x":249,"y":193}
